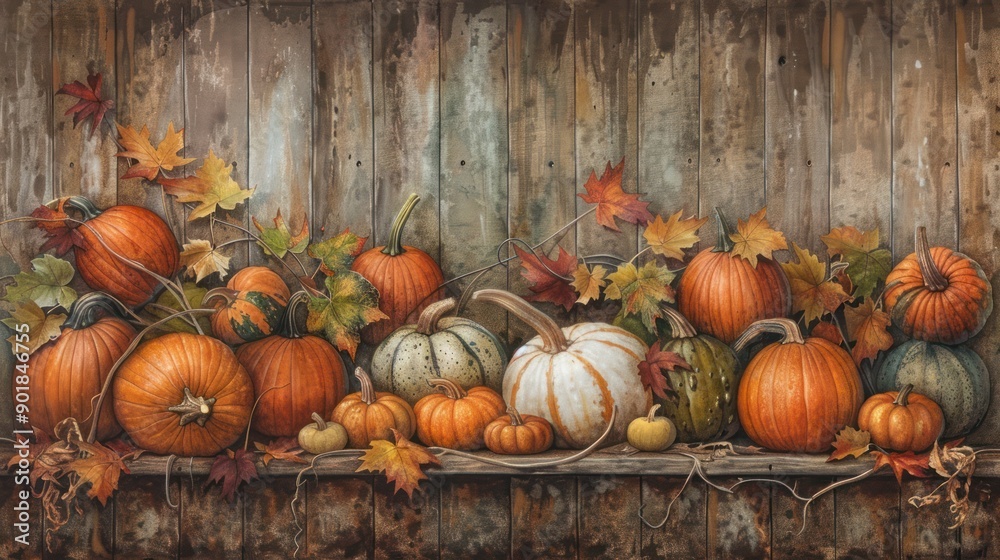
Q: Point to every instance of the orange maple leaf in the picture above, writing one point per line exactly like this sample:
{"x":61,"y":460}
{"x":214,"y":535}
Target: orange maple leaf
{"x":670,"y":238}
{"x":827,"y":330}
{"x":850,"y":442}
{"x":756,"y":238}
{"x":867,"y":325}
{"x":211,"y":186}
{"x":813,"y":292}
{"x":149,"y":160}
{"x":588,"y":282}
{"x":547,"y":278}
{"x":101,"y":468}
{"x":612,"y":202}
{"x":401,"y":462}
{"x":285,"y":449}
{"x":910,"y":462}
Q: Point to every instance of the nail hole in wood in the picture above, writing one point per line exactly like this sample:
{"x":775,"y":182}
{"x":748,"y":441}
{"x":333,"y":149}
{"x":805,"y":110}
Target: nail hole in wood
{"x":718,"y":160}
{"x":781,"y":61}
{"x":552,"y":164}
{"x":689,"y":160}
{"x":359,"y":163}
{"x":947,"y":164}
{"x":809,"y":163}
{"x":462,"y":162}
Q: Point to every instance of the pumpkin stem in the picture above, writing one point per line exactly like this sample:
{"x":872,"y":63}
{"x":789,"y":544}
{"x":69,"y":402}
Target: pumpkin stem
{"x":680,"y":327}
{"x":787,"y":328}
{"x":903,"y":398}
{"x":553,"y":339}
{"x":228,"y":294}
{"x":289,"y":327}
{"x":193,"y":409}
{"x":83,"y":312}
{"x":395,"y":245}
{"x":320,"y":423}
{"x":652,"y":412}
{"x":933,"y":279}
{"x":451,"y":389}
{"x":367,"y":389}
{"x":429,"y":317}
{"x":724,"y":244}
{"x":84,"y":206}
{"x":515,"y":416}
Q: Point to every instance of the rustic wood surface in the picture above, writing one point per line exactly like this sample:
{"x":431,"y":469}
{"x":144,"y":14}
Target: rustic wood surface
{"x":684,"y":531}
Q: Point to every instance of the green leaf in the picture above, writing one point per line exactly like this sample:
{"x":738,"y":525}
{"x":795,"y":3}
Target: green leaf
{"x":39,"y":327}
{"x":642,"y":290}
{"x":278,"y":241}
{"x":167,"y":304}
{"x":47,"y":284}
{"x":867,"y":265}
{"x":352,"y":304}
{"x":337,"y":253}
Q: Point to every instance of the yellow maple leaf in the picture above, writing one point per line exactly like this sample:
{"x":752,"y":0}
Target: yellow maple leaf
{"x":202,"y":260}
{"x":850,"y":442}
{"x":641,"y":290}
{"x":869,"y":327}
{"x":399,"y":461}
{"x":29,"y":319}
{"x":813,"y":291}
{"x":670,"y":238}
{"x":211,"y":186}
{"x":588,"y":283}
{"x":755,"y":238}
{"x":101,"y":468}
{"x":149,"y":160}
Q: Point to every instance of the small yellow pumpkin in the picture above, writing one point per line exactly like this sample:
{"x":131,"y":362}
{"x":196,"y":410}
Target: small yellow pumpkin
{"x":651,"y":432}
{"x":322,"y":436}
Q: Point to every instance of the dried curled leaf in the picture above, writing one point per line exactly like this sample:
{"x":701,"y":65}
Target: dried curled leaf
{"x":150,"y":161}
{"x":99,"y":467}
{"x":850,"y":442}
{"x":547,"y":278}
{"x":58,"y":233}
{"x":756,"y":238}
{"x":588,"y":282}
{"x":400,"y":461}
{"x":283,"y":449}
{"x":672,"y":237}
{"x":202,"y":260}
{"x":613,"y":202}
{"x":957,"y":465}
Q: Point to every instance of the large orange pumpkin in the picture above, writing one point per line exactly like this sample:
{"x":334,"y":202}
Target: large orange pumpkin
{"x":938,"y":295}
{"x":407,"y":278}
{"x":134,"y":233}
{"x":67,"y":373}
{"x":250,"y":306}
{"x":721,"y":294}
{"x":293,"y":376}
{"x":183,"y":394}
{"x":796,"y":394}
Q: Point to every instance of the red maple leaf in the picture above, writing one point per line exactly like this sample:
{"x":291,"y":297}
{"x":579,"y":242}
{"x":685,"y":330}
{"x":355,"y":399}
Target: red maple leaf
{"x":612,"y":202}
{"x":829,"y":331}
{"x":90,"y":103}
{"x":544,"y":285}
{"x":232,"y":469}
{"x":651,"y":370}
{"x":916,"y":465}
{"x":54,"y":227}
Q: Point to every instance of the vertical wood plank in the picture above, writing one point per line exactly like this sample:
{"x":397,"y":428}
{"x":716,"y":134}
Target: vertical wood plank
{"x":475,"y":517}
{"x":798,"y":127}
{"x":83,"y":41}
{"x":868,"y":519}
{"x":339,"y":519}
{"x":685,"y":532}
{"x":609,"y":516}
{"x":343,"y":149}
{"x":210,"y":527}
{"x":404,"y":527}
{"x":978,"y":39}
{"x":407,"y":119}
{"x":924,"y":532}
{"x":739,"y":524}
{"x":145,"y":525}
{"x":474,"y":145}
{"x":732,"y":108}
{"x":981,"y":534}
{"x":669,"y":119}
{"x":924,"y":144}
{"x":216,"y":119}
{"x":280,"y":119}
{"x":818,"y":538}
{"x":10,"y":498}
{"x":861,"y":124}
{"x":543,"y":517}
{"x":90,"y":533}
{"x":268,"y":528}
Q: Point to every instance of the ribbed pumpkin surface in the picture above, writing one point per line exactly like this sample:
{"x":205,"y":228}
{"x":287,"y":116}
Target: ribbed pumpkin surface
{"x":404,"y":282}
{"x":257,"y":308}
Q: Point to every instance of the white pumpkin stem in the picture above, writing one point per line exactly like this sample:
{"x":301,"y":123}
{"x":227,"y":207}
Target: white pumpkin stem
{"x":515,"y":416}
{"x":933,"y":279}
{"x":680,"y":327}
{"x":553,"y":339}
{"x":652,"y":412}
{"x":787,"y":328}
{"x":451,"y":389}
{"x":429,"y":317}
{"x":320,"y":423}
{"x":903,"y":398}
{"x":367,"y":389}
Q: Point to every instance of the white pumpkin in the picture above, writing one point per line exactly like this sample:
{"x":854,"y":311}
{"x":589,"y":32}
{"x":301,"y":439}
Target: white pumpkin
{"x":574,"y":377}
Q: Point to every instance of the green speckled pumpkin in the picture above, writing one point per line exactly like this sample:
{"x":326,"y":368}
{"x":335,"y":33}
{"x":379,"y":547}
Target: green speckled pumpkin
{"x":254,"y":302}
{"x":706,"y":405}
{"x":451,"y":348}
{"x":955,"y":377}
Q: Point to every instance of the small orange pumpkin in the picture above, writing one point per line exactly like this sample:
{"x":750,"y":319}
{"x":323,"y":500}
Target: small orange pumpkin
{"x":255,"y":299}
{"x":367,"y":415}
{"x":514,"y":434}
{"x":456,"y":419}
{"x":902,"y":421}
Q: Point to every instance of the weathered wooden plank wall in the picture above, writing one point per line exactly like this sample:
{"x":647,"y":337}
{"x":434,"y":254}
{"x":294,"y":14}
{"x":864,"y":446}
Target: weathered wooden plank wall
{"x":875,"y":113}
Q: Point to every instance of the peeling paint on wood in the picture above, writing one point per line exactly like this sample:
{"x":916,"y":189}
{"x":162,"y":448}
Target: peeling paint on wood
{"x":210,"y":527}
{"x":273,"y":540}
{"x":684,"y":534}
{"x":475,"y":517}
{"x":543,"y":517}
{"x":609,"y":516}
{"x":796,"y":537}
{"x":90,"y":533}
{"x":340,"y":513}
{"x":867,"y":519}
{"x":739,"y":524}
{"x":145,"y":525}
{"x":405,"y":527}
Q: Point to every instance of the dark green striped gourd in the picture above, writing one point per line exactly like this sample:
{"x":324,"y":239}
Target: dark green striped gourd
{"x":451,"y":348}
{"x":254,"y":302}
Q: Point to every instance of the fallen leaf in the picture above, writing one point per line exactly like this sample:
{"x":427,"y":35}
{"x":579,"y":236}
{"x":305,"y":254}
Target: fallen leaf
{"x":869,"y":326}
{"x":829,"y":331}
{"x":850,"y":442}
{"x":166,"y":304}
{"x":337,"y":253}
{"x":867,"y":264}
{"x":916,"y":465}
{"x":101,"y":468}
{"x":202,"y":260}
{"x":232,"y":470}
{"x":401,"y":462}
{"x":588,"y":282}
{"x":755,"y":238}
{"x":951,"y":459}
{"x":612,"y":202}
{"x":47,"y":284}
{"x":547,"y":278}
{"x":212,"y":187}
{"x":58,"y":233}
{"x":278,"y":241}
{"x":90,"y":105}
{"x":670,"y":238}
{"x":352,"y":304}
{"x":41,"y":328}
{"x":651,"y":370}
{"x":642,"y":290}
{"x":283,"y":449}
{"x":813,"y":291}
{"x":151,"y":161}
{"x":37,"y":445}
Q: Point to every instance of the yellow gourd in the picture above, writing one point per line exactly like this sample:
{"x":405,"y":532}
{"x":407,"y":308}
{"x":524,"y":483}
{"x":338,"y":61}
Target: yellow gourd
{"x":651,"y":433}
{"x":322,"y":436}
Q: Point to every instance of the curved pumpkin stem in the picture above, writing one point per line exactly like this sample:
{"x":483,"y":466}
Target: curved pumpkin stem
{"x":367,"y":389}
{"x":724,"y":243}
{"x":288,"y":327}
{"x":903,"y":398}
{"x":429,"y":317}
{"x":83,"y":312}
{"x":395,"y":245}
{"x":787,"y":328}
{"x":515,"y":416}
{"x":680,"y":327}
{"x":933,"y":279}
{"x":553,"y":339}
{"x":84,"y":206}
{"x":320,"y":423}
{"x":652,"y":413}
{"x":193,"y":409}
{"x":228,"y":294}
{"x":451,"y":389}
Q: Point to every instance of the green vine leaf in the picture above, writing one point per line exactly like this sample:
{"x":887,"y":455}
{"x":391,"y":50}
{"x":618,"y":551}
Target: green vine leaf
{"x":47,"y":284}
{"x":167,"y":305}
{"x":279,"y":241}
{"x":337,"y":253}
{"x":642,"y":291}
{"x":867,"y":264}
{"x":352,"y":304}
